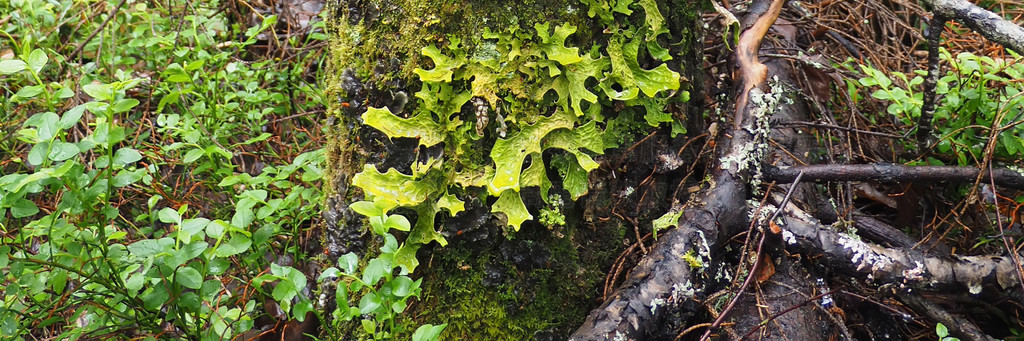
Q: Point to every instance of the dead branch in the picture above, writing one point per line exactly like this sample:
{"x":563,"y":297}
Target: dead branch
{"x":988,"y":24}
{"x":894,"y":173}
{"x":957,"y":326}
{"x":901,"y":267}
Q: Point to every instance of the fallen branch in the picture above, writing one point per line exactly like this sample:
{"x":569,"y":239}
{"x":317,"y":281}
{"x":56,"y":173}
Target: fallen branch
{"x":961,"y":327}
{"x":902,"y":267}
{"x":988,"y":24}
{"x":893,"y":173}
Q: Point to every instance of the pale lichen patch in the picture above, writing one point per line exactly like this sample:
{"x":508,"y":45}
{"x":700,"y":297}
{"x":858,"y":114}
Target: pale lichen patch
{"x":862,"y":256}
{"x":915,"y":274}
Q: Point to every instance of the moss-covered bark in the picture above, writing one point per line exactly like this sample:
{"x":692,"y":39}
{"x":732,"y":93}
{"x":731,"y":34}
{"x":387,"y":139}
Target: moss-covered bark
{"x":491,"y":282}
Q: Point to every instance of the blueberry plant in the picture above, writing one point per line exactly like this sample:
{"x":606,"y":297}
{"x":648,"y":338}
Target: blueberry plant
{"x":130,"y":199}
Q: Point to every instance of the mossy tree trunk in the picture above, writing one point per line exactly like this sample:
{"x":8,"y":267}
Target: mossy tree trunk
{"x":493,"y":281}
{"x":535,"y":144}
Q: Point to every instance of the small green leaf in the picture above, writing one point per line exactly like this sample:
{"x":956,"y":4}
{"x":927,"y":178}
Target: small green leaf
{"x":402,"y":286}
{"x":331,"y":272}
{"x":127,"y":177}
{"x":62,"y":151}
{"x":300,"y":309}
{"x":216,"y":229}
{"x":126,"y":156}
{"x":237,"y":244}
{"x":193,"y":155}
{"x":189,"y":278}
{"x":37,"y":155}
{"x":174,"y":73}
{"x":217,"y":266}
{"x":399,"y":307}
{"x":169,"y":215}
{"x":45,"y":123}
{"x":155,"y":298}
{"x":99,"y":91}
{"x":368,"y":325}
{"x":349,"y":263}
{"x":194,"y":226}
{"x":390,"y":245}
{"x":150,"y":247}
{"x":377,"y":224}
{"x":12,"y":66}
{"x":369,"y":303}
{"x":428,"y":332}
{"x":397,"y":222}
{"x":72,"y":116}
{"x":283,"y":293}
{"x":125,"y":104}
{"x":366,"y":208}
{"x":30,"y":91}
{"x":375,"y":269}
{"x":24,"y":208}
{"x":36,"y":60}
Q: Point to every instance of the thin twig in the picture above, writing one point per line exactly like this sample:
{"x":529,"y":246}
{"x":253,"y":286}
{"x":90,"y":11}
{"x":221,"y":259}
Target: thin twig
{"x":753,"y":269}
{"x":732,"y":303}
{"x":111,"y":15}
{"x":1002,"y":234}
{"x":794,"y":307}
{"x":853,"y":130}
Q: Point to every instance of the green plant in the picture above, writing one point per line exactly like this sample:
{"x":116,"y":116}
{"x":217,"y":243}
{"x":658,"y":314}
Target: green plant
{"x":382,"y":295}
{"x":98,"y":237}
{"x":943,"y":333}
{"x":976,"y":95}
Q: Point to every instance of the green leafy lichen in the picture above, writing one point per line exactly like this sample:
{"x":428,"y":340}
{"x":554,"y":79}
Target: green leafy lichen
{"x":516,"y":72}
{"x":510,"y":153}
{"x":510,"y":203}
{"x":421,"y":126}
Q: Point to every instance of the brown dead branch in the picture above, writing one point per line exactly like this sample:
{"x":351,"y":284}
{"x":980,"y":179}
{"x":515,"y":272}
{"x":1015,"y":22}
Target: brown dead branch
{"x":895,"y":173}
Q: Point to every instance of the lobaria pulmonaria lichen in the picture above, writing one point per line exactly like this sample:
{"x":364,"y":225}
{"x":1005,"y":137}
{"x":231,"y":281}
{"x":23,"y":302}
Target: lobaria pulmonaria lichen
{"x":537,"y":93}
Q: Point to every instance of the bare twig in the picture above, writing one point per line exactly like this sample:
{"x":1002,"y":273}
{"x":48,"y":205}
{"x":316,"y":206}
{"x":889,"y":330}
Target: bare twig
{"x":110,"y":15}
{"x":794,"y":307}
{"x":1002,"y":234}
{"x":753,"y":269}
{"x":893,"y":173}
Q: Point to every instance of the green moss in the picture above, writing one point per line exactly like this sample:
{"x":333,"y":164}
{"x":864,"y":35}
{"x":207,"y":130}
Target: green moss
{"x":550,"y":298}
